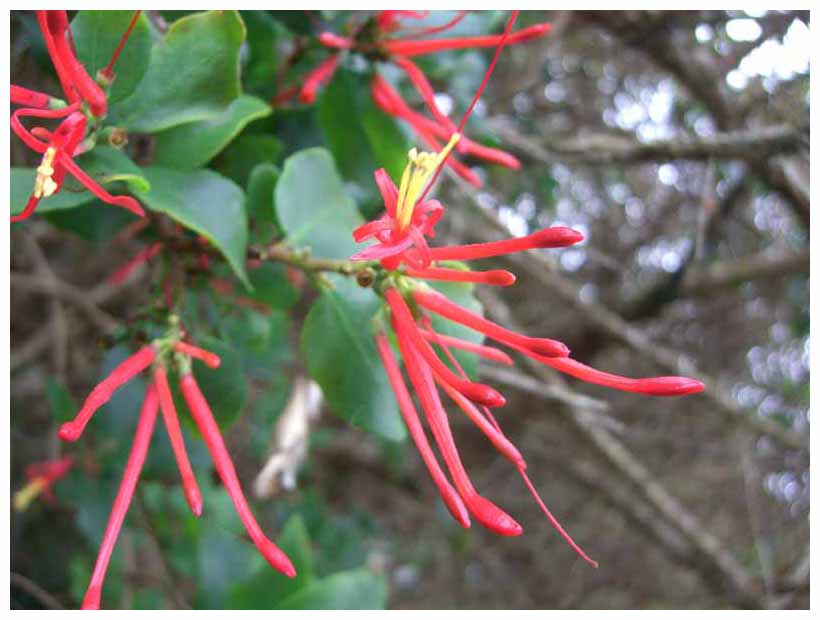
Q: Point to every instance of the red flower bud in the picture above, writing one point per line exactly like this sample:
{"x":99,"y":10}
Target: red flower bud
{"x":556,"y":237}
{"x":127,"y":370}
{"x":204,"y":419}
{"x":210,"y":359}
{"x":136,"y":459}
{"x":495,"y":277}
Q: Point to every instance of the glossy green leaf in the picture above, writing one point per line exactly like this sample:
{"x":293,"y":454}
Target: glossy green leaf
{"x":106,"y":165}
{"x":97,"y":35}
{"x":261,"y":186}
{"x":355,"y":589}
{"x":60,"y":402}
{"x":242,"y":155}
{"x":205,"y":202}
{"x":312,"y":205}
{"x":363,"y":138}
{"x":224,"y":388}
{"x":337,"y":342}
{"x":193,"y":145}
{"x":193,"y":74}
{"x":272,"y":287}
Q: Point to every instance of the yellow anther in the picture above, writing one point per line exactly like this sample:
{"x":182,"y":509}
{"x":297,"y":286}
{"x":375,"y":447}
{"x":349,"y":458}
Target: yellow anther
{"x":415,"y":177}
{"x":26,"y":495}
{"x":44,"y":185}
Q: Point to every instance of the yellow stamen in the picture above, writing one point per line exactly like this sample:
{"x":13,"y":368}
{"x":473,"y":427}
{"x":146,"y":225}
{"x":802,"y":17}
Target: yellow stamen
{"x":415,"y":177}
{"x":44,"y":185}
{"x":26,"y":495}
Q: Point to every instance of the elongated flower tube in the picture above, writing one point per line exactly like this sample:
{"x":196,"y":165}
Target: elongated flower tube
{"x":488,"y":514}
{"x":411,"y":48}
{"x":449,"y":495}
{"x":204,"y":419}
{"x":651,"y":386}
{"x":136,"y":459}
{"x":472,"y":411}
{"x":101,"y":394}
{"x":438,"y":303}
{"x":317,"y":78}
{"x":169,"y":413}
{"x":404,"y":323}
{"x":555,"y":237}
{"x":72,"y":74}
{"x":211,"y":360}
{"x":143,"y":256}
{"x":34,"y":99}
{"x":494,"y":277}
{"x":501,"y":443}
{"x":490,"y":353}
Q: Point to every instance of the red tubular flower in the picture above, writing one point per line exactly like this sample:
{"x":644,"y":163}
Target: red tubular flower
{"x":490,"y":353}
{"x":438,"y":303}
{"x":41,"y":478}
{"x":169,"y":413}
{"x":32,"y":98}
{"x":75,"y":81}
{"x":133,"y":468}
{"x":555,"y":237}
{"x":211,"y":360}
{"x":449,"y":495}
{"x":101,"y":394}
{"x":487,"y":513}
{"x":143,"y":256}
{"x":409,"y":48}
{"x":64,"y":143}
{"x":203,"y":417}
{"x":108,"y":72}
{"x":317,"y":78}
{"x":405,"y":326}
{"x":493,"y":277}
{"x":651,"y":386}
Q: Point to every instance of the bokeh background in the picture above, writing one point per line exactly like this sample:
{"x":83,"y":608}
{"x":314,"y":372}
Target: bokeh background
{"x":678,"y":143}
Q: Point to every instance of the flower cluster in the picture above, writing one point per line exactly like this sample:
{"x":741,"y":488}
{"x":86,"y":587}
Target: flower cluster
{"x":403,"y":252}
{"x":158,"y":398}
{"x":85,"y":100}
{"x":378,"y":40}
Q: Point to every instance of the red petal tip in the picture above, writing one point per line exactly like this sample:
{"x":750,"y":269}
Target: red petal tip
{"x":194,"y":499}
{"x":493,"y":518}
{"x":672,"y":386}
{"x":277,"y":558}
{"x":499,"y":277}
{"x":548,"y":347}
{"x":485,"y":395}
{"x":69,"y":432}
{"x":557,"y":237}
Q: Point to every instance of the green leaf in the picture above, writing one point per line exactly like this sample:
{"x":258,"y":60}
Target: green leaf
{"x":246,"y":152}
{"x":337,"y":342}
{"x":224,"y":388}
{"x":193,"y":145}
{"x":97,"y":35}
{"x":104,"y":164}
{"x":96,"y":221}
{"x":261,"y":186}
{"x":312,"y":206}
{"x":62,"y":405}
{"x":205,"y":202}
{"x":272,"y":287}
{"x":363,"y":138}
{"x":355,"y":589}
{"x":193,"y":74}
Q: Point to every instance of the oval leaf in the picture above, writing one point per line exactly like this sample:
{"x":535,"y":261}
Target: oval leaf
{"x":337,"y":342}
{"x":208,"y":204}
{"x":195,"y":144}
{"x":312,"y":205}
{"x":193,"y":74}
